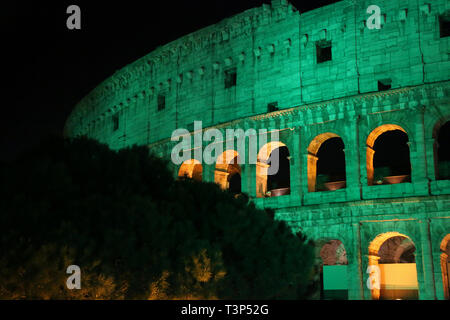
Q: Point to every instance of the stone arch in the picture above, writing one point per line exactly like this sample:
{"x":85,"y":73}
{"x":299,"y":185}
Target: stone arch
{"x":441,"y":149}
{"x":312,"y":162}
{"x":264,"y":163}
{"x":385,"y":256}
{"x":227,"y":166}
{"x":406,"y":246}
{"x":376,"y":243}
{"x":370,"y":155}
{"x":265,"y":152}
{"x":331,"y":256}
{"x":445,"y":265}
{"x":191,"y":169}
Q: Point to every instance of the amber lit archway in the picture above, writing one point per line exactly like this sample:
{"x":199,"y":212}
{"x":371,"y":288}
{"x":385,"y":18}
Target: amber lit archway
{"x":394,"y":255}
{"x":445,"y":265}
{"x":330,"y":146}
{"x":191,"y":169}
{"x":278,"y":183}
{"x":372,"y":139}
{"x":227,"y":167}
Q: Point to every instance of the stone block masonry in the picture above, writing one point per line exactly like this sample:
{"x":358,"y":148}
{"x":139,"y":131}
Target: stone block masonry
{"x":313,"y":76}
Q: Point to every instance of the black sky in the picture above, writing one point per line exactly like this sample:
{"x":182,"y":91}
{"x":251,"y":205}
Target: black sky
{"x":48,"y":68}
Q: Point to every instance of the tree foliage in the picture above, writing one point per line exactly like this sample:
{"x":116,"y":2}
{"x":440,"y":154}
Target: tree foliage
{"x":137,"y":233}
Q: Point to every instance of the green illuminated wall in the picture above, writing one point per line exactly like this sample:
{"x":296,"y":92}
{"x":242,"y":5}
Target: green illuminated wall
{"x":274,"y":52}
{"x":273,"y":49}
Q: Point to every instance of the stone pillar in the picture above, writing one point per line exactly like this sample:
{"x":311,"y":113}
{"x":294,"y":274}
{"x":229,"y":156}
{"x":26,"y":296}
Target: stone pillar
{"x":352,"y":168}
{"x":355,"y":276}
{"x":244,"y":178}
{"x":221,"y":178}
{"x":295,"y":169}
{"x":442,"y":282}
{"x":303,"y":157}
{"x":261,"y":179}
{"x":248,"y":167}
{"x":250,"y":177}
{"x":370,"y":153}
{"x":363,"y":164}
{"x":312,"y":172}
{"x":425,"y":273}
{"x":431,"y":158}
{"x":417,"y":148}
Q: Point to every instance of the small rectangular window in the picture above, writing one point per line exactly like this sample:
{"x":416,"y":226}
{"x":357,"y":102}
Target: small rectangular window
{"x":384,"y":84}
{"x":323,"y":51}
{"x":271,"y":107}
{"x":161,"y":102}
{"x":230,"y":78}
{"x":115,"y":119}
{"x":444,"y":26}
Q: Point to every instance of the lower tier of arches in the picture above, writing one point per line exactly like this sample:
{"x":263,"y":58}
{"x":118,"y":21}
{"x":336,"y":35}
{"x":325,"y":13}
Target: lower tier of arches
{"x":379,"y":250}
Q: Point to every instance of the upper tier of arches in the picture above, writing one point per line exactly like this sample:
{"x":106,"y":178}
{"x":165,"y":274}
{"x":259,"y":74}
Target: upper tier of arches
{"x":388,"y":157}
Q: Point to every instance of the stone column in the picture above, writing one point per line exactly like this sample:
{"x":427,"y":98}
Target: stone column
{"x":370,"y":153}
{"x":352,"y":160}
{"x":250,"y":177}
{"x":431,"y":158}
{"x":425,"y":273}
{"x":312,"y":171}
{"x":441,"y":278}
{"x":355,"y":276}
{"x":295,"y":169}
{"x":261,"y":179}
{"x":303,"y":157}
{"x":244,"y":178}
{"x":363,"y":178}
{"x":248,"y":166}
{"x":417,"y":148}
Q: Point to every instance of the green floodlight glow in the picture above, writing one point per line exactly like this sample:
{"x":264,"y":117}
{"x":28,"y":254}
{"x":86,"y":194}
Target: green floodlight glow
{"x":312,"y":77}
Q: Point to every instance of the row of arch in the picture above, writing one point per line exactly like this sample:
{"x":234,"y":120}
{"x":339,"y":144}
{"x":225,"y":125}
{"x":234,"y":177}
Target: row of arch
{"x":392,"y":254}
{"x":387,"y":162}
{"x":228,"y":172}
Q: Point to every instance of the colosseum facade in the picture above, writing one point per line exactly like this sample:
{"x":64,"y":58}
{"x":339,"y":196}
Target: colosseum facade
{"x":363,"y":121}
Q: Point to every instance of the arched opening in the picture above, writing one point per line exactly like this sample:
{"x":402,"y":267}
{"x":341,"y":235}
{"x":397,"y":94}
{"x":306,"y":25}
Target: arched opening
{"x":392,"y":257}
{"x":191,"y":169}
{"x":235,"y":183}
{"x":273,"y":170}
{"x":442,"y":152}
{"x":326,"y":163}
{"x":388,"y":159}
{"x":333,"y":271}
{"x":228,"y":171}
{"x":445,"y":265}
{"x":279,"y":183}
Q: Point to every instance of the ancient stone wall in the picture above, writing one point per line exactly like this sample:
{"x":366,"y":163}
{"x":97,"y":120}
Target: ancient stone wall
{"x":273,"y":50}
{"x":329,"y":76}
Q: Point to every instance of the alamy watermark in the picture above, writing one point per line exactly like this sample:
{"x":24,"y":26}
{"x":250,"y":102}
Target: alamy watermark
{"x":373,"y":281}
{"x":374,"y":21}
{"x":74,"y":20}
{"x":74,"y":280}
{"x":191,"y":146}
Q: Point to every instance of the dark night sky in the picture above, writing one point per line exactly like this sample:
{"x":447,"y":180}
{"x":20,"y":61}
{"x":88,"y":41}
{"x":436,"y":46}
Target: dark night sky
{"x":50,"y":68}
